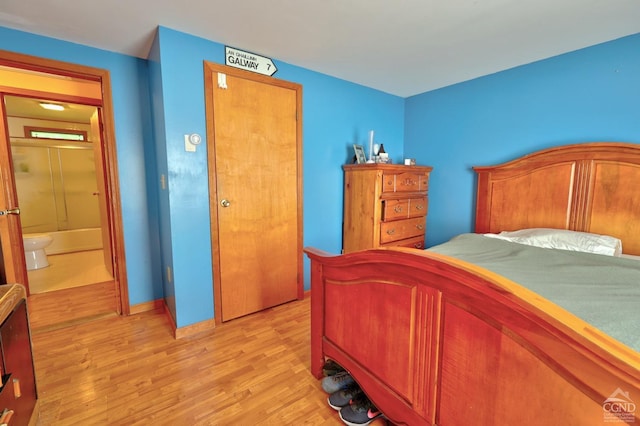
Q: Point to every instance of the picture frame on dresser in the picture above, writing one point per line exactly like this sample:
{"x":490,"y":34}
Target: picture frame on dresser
{"x":361,"y":157}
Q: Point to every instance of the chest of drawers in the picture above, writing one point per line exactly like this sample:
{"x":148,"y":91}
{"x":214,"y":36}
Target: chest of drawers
{"x":384,"y":205}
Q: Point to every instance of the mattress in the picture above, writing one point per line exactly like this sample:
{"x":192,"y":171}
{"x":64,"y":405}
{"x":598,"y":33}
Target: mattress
{"x":601,"y":290}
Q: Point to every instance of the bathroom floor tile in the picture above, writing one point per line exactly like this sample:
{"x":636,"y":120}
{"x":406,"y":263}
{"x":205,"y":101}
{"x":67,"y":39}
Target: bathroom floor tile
{"x":69,"y":270}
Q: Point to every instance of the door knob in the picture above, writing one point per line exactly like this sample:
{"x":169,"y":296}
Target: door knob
{"x":225,"y":203}
{"x":15,"y":211}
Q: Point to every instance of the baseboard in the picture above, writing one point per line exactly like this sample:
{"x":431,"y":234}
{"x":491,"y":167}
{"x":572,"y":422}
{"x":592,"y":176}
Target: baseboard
{"x":193,"y":329}
{"x":189,"y":330}
{"x":154,"y":305}
{"x":160,"y":306}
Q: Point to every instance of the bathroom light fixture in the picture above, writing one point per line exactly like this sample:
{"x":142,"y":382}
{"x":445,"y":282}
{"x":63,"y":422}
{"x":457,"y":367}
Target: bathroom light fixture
{"x":52,"y":107}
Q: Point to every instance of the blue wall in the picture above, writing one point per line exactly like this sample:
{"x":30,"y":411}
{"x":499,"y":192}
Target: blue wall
{"x":156,"y":102}
{"x":159,"y":160}
{"x":336,"y":114}
{"x":591,"y":94}
{"x":587,"y":95}
{"x":134,"y":143}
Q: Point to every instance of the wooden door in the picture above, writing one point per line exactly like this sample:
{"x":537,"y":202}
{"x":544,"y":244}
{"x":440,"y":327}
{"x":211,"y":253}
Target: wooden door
{"x":12,"y":262}
{"x":254,"y":154}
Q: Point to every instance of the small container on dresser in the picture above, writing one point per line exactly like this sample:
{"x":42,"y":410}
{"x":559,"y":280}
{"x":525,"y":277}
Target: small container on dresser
{"x":384,"y":205}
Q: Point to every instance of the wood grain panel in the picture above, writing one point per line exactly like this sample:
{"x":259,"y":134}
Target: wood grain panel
{"x":547,"y":202}
{"x":515,"y":387}
{"x":613,"y":184}
{"x":362,"y":209}
{"x":381,"y":333}
{"x":583,"y":187}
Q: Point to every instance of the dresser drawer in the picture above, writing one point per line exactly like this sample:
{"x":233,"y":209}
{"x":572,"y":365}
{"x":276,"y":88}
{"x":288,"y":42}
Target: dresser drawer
{"x":405,"y":182}
{"x":401,"y":229}
{"x":404,"y":208}
{"x":415,"y":242}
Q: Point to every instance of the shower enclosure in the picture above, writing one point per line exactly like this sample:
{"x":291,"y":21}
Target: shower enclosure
{"x":57,"y":189}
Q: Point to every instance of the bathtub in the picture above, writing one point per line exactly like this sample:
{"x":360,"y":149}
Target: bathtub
{"x":75,"y":240}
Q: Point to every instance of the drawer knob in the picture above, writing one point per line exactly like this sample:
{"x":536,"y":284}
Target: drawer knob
{"x":420,"y":226}
{"x":418,"y":245}
{"x":391,"y":231}
{"x":419,"y":206}
{"x":397,"y":209}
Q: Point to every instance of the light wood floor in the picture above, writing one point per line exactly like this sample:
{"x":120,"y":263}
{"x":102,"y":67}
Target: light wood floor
{"x":62,"y":308}
{"x":131,"y":371}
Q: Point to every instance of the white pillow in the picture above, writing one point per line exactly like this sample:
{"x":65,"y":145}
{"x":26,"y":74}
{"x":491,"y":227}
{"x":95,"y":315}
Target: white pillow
{"x":564,"y":239}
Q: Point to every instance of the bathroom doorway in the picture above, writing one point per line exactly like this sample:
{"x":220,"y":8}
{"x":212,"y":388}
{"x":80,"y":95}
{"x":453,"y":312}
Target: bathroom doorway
{"x":22,"y":78}
{"x":55,"y":148}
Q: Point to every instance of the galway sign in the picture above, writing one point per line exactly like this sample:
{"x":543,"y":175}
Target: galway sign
{"x":249,"y":61}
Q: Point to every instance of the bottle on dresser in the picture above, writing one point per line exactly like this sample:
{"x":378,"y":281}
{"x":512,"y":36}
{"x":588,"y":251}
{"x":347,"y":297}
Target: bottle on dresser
{"x":383,"y":156}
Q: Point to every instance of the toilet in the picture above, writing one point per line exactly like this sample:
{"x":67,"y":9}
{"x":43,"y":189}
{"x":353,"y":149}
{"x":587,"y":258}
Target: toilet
{"x":34,"y":254}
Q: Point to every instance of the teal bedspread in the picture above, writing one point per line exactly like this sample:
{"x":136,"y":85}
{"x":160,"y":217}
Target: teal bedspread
{"x":601,"y":290}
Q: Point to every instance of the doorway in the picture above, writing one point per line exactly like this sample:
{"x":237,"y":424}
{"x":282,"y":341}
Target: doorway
{"x":254,"y":131}
{"x":54,"y":148}
{"x":23,"y":76}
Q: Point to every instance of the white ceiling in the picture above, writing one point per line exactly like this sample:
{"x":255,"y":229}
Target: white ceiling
{"x":402,"y":47}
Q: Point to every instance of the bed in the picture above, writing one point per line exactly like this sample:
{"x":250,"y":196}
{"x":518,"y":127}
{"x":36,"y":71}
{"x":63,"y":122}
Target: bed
{"x":435,"y":339}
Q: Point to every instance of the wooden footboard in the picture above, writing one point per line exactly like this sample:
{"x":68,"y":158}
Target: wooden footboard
{"x":434,"y":340}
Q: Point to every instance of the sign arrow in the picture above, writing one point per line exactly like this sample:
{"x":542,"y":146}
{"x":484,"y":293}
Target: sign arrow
{"x":249,"y":61}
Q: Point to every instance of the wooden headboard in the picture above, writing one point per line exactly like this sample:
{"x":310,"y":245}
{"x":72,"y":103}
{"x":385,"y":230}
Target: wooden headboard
{"x":590,"y":187}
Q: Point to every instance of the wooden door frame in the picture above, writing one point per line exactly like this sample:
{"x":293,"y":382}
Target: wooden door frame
{"x":211,"y":68}
{"x":11,"y":246}
{"x":33,"y":63}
